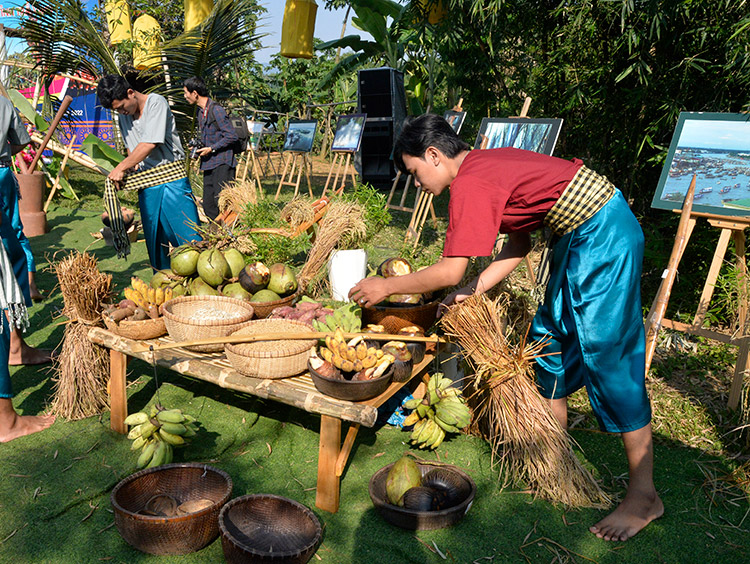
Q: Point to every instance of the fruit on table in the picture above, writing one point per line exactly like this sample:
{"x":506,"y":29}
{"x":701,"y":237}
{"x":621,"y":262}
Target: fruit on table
{"x":235,"y":260}
{"x":213,"y":268}
{"x":235,"y":290}
{"x":184,"y":261}
{"x":395,"y":266}
{"x":254,"y":277}
{"x":265,"y":295}
{"x":283,"y":281}
{"x":200,"y":288}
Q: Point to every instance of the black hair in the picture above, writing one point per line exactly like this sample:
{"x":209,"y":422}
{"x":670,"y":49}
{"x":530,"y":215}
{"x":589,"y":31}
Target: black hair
{"x":427,"y":130}
{"x":196,"y":84}
{"x":112,"y":87}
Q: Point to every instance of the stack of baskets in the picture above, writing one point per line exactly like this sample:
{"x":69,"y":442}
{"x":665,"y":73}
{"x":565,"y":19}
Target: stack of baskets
{"x":187,"y":318}
{"x":271,"y":359}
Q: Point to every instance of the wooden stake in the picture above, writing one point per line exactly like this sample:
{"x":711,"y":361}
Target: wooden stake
{"x":60,"y":172}
{"x":311,"y":335}
{"x":659,"y":307}
{"x":58,"y":116}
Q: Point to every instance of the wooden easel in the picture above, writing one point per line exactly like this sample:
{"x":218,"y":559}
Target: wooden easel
{"x":342,"y":164}
{"x":731,"y":227}
{"x":250,"y":162}
{"x":295,"y":164}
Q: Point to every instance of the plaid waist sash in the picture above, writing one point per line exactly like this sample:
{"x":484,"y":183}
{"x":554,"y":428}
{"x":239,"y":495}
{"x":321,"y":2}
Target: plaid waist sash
{"x":585,"y":195}
{"x":156,"y":176}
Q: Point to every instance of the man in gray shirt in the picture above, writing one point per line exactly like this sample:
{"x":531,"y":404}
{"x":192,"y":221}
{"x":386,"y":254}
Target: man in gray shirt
{"x":168,"y":211}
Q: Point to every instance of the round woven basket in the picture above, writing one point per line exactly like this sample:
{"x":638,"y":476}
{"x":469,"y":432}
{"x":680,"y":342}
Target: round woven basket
{"x":264,"y":309}
{"x":268,"y":528}
{"x":270,"y":359}
{"x":422,"y":520}
{"x":350,"y":390}
{"x":396,"y":318}
{"x":181,"y":316}
{"x":181,"y":534}
{"x":137,"y":330}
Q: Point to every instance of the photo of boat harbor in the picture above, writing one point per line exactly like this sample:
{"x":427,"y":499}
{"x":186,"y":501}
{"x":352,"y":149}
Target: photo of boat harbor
{"x":717,"y":151}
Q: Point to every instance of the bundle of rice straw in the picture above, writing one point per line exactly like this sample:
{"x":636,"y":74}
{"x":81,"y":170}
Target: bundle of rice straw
{"x":298,"y":211}
{"x":237,"y":194}
{"x":345,"y":223}
{"x":82,"y":369}
{"x":510,"y":413}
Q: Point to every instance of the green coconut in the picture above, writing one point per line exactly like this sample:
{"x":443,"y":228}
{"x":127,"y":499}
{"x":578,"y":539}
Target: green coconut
{"x":283,"y":280}
{"x":200,"y":288}
{"x":213,"y":268}
{"x":254,"y":277}
{"x":403,"y":475}
{"x":160,"y":279}
{"x":184,"y":261}
{"x":178,"y":289}
{"x":236,"y":261}
{"x":265,"y":295}
{"x":235,"y":290}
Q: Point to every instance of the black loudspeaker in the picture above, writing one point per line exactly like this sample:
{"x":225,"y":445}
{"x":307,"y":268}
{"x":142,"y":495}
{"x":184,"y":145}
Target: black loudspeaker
{"x":381,"y":96}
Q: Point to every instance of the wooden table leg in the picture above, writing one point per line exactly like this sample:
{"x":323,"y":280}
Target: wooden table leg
{"x":346,"y":449}
{"x":118,"y":399}
{"x":327,"y":495}
{"x":735,"y":392}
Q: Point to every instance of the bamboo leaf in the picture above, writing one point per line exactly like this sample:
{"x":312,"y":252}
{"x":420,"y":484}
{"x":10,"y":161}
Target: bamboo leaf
{"x":102,"y":154}
{"x":27,"y":111}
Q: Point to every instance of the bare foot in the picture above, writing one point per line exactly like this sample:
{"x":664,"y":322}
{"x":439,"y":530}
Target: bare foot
{"x":22,"y":425}
{"x":36,"y":295}
{"x":635,"y":512}
{"x":28,"y":356}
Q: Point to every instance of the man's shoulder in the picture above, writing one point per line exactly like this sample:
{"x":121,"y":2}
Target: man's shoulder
{"x":155,"y":100}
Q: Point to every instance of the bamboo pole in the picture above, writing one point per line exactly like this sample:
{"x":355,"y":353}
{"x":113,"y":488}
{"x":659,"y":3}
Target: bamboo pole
{"x":310,"y":335}
{"x":58,"y":116}
{"x":659,"y":307}
{"x":60,"y":173}
{"x":76,"y":156}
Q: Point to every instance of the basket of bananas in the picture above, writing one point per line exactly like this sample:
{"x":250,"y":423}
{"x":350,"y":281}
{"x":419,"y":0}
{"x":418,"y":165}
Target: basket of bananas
{"x":138,"y":316}
{"x":350,"y":370}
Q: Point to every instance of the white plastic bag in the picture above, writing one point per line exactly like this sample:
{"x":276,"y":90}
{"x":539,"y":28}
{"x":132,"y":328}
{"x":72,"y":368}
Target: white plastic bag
{"x":345,"y":269}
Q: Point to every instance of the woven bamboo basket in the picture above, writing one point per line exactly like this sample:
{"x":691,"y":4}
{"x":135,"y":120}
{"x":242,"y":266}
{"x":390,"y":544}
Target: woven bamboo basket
{"x":184,"y":325}
{"x":137,"y":330}
{"x":271,"y":359}
{"x":395,"y":318}
{"x":264,"y":309}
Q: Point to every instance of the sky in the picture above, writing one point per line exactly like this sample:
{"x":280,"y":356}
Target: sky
{"x":716,"y":134}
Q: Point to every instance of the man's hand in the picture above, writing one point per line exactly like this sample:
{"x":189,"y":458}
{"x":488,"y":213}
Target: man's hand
{"x":369,"y":291}
{"x":455,"y":297}
{"x":204,"y":151}
{"x":117,"y":174}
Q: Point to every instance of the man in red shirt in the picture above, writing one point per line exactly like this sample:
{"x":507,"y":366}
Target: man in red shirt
{"x":592,"y":306}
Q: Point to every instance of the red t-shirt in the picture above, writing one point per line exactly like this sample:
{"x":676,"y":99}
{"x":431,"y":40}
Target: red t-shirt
{"x":502,"y":191}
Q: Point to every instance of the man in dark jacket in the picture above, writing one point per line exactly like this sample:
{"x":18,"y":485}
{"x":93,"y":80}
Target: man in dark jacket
{"x":218,"y":139}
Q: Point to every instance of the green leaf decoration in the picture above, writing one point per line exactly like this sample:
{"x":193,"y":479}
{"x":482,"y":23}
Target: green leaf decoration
{"x":102,"y":154}
{"x":27,"y":110}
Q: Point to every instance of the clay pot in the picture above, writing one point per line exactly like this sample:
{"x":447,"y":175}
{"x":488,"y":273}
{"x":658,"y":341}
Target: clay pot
{"x":30,"y":203}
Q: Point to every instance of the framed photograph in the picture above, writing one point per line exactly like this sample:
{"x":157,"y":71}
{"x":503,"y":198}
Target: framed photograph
{"x":539,"y":135}
{"x":455,"y":119}
{"x":300,"y":136}
{"x":349,"y":129}
{"x":255,"y":128}
{"x":716,"y":148}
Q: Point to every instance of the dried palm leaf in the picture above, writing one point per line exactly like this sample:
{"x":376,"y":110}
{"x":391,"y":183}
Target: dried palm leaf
{"x":509,"y":412}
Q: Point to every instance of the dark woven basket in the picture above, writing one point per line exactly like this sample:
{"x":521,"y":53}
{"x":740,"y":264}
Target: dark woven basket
{"x":136,"y":330}
{"x":394,"y":318}
{"x":181,"y":534}
{"x":421,"y":520}
{"x":264,"y":309}
{"x":350,"y":390}
{"x":268,"y":528}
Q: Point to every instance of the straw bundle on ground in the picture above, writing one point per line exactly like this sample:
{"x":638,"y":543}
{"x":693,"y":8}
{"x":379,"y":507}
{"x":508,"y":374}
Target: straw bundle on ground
{"x":82,"y":369}
{"x":510,"y":413}
{"x":345,"y":223}
{"x":236,"y":195}
{"x":297,"y":212}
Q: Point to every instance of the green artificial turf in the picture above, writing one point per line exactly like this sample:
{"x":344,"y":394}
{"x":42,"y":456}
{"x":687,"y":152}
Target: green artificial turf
{"x":54,"y":494}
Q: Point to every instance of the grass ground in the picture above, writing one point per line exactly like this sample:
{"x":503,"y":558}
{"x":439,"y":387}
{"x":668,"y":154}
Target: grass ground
{"x":54,"y":495}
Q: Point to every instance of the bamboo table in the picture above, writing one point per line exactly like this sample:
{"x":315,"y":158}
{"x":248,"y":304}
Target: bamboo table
{"x":298,"y":391}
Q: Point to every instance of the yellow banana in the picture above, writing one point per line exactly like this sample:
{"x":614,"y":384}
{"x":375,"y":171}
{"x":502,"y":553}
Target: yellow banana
{"x":138,"y":443}
{"x":326,"y":354}
{"x":134,"y":296}
{"x":437,"y":442}
{"x":167,"y":294}
{"x":338,"y":335}
{"x":136,"y":418}
{"x":135,"y":432}
{"x":159,"y":296}
{"x":171,"y":438}
{"x":411,"y":419}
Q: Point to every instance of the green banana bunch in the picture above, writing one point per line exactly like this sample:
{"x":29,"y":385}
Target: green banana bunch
{"x":441,"y":411}
{"x":157,"y":432}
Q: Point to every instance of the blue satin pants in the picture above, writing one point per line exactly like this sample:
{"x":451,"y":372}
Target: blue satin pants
{"x":6,"y":390}
{"x":169,"y":216}
{"x":592,"y":314}
{"x":11,"y":230}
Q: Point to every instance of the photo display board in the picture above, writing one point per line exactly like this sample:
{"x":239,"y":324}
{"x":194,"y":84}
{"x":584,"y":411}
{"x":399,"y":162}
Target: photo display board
{"x":300,"y":136}
{"x":349,"y":129}
{"x":455,"y":119}
{"x":538,"y":135}
{"x":716,"y":148}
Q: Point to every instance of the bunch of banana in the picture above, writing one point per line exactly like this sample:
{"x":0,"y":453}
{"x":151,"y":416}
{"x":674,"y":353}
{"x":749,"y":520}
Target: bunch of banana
{"x":354,"y":355}
{"x":144,"y":295}
{"x":157,"y":432}
{"x":442,"y":407}
{"x":348,"y":318}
